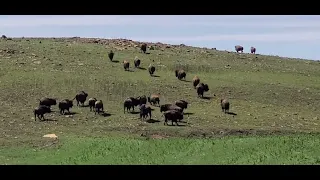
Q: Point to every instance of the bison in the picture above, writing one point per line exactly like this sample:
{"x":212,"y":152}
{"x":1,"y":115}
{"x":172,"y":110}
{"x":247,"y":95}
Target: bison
{"x":136,"y":62}
{"x":98,"y":105}
{"x":142,"y":99}
{"x":253,"y":50}
{"x":126,"y":65}
{"x":225,"y":105}
{"x":201,"y":88}
{"x":180,"y":74}
{"x":239,"y":48}
{"x":172,"y":115}
{"x":151,"y":69}
{"x":111,"y":55}
{"x":144,"y":111}
{"x":47,"y":102}
{"x":154,"y":99}
{"x":127,"y":104}
{"x":81,"y":97}
{"x":182,"y":104}
{"x":167,"y":107}
{"x":92,"y":102}
{"x":143,"y":48}
{"x":40,"y":111}
{"x":65,"y":104}
{"x":195,"y":81}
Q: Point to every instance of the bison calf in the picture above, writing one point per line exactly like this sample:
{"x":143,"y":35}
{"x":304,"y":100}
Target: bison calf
{"x":172,"y":115}
{"x":225,"y":105}
{"x":40,"y":111}
{"x":65,"y":104}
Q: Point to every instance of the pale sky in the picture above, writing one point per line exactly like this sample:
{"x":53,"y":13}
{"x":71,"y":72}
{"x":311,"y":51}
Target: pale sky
{"x":289,"y":36}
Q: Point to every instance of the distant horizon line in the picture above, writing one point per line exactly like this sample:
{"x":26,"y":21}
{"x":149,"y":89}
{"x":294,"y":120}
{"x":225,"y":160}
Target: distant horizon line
{"x":115,"y":38}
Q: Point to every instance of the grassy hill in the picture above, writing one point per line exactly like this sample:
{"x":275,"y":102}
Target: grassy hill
{"x":270,"y":96}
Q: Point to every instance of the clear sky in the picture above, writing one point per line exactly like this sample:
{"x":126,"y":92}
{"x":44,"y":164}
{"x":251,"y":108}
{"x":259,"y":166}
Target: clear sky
{"x":289,"y":36}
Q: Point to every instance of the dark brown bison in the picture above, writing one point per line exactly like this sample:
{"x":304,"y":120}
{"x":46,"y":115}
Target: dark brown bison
{"x":65,"y":104}
{"x":127,"y":104}
{"x":126,"y":65}
{"x":142,"y":99}
{"x":225,"y":105}
{"x":182,"y":104}
{"x":201,"y":88}
{"x":40,"y":111}
{"x":92,"y":102}
{"x":151,"y":69}
{"x":167,"y":107}
{"x":111,"y":55}
{"x":154,"y":99}
{"x":253,"y":50}
{"x":239,"y":48}
{"x":98,"y":105}
{"x":180,"y":74}
{"x":172,"y":115}
{"x":47,"y":102}
{"x":143,"y":48}
{"x":81,"y":97}
{"x":144,"y":111}
{"x":136,"y":62}
{"x":195,"y":81}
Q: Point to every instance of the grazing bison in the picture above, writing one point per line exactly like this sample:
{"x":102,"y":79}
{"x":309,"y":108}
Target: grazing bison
{"x":92,"y":102}
{"x":151,"y":69}
{"x":253,"y":50}
{"x":81,"y":97}
{"x":167,"y":107}
{"x":98,"y":105}
{"x":137,"y":62}
{"x":135,"y":101}
{"x":126,"y":65}
{"x":127,"y":104}
{"x":143,"y":48}
{"x":195,"y":81}
{"x":154,"y":99}
{"x":142,"y":99}
{"x":239,"y":48}
{"x":180,"y":74}
{"x":225,"y":105}
{"x":144,"y":111}
{"x":65,"y":104}
{"x":40,"y":111}
{"x":182,"y":104}
{"x":201,"y":88}
{"x":172,"y":115}
{"x":111,"y":55}
{"x":47,"y":102}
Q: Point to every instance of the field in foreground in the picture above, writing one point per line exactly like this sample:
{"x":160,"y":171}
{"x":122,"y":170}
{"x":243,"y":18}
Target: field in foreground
{"x":268,"y":94}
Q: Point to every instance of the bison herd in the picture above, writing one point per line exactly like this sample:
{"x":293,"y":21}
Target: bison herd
{"x":172,"y":112}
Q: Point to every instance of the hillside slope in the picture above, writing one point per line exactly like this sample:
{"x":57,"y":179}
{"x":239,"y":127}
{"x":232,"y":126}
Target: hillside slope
{"x":268,"y":94}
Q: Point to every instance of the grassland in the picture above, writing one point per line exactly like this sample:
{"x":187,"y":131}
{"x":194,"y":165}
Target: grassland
{"x":270,"y":95}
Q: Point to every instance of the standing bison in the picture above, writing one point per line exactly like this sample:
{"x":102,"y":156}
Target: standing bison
{"x":154,"y":99}
{"x":137,"y":62}
{"x":239,"y":48}
{"x":253,"y":50}
{"x":92,"y":102}
{"x":195,"y":81}
{"x":143,"y":48}
{"x":225,"y":105}
{"x":142,"y":99}
{"x":167,"y":107}
{"x":145,"y":111}
{"x":172,"y":115}
{"x":81,"y":97}
{"x":180,"y":74}
{"x":98,"y":105}
{"x":111,"y":55}
{"x":47,"y":102}
{"x":40,"y":111}
{"x":182,"y":104}
{"x":201,"y":88}
{"x":126,"y":65}
{"x":65,"y":104}
{"x":127,"y":104}
{"x":151,"y":69}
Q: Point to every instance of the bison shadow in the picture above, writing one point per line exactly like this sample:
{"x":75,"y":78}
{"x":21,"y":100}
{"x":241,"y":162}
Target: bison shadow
{"x":48,"y":119}
{"x":179,"y":125}
{"x":130,"y":70}
{"x":147,"y":53}
{"x":135,"y":112}
{"x":152,"y":121}
{"x":207,"y":97}
{"x":155,"y":76}
{"x":186,"y":80}
{"x":141,"y":68}
{"x":86,"y":105}
{"x":231,"y":113}
{"x":104,"y":114}
{"x":67,"y":113}
{"x":188,"y":113}
{"x":115,"y":61}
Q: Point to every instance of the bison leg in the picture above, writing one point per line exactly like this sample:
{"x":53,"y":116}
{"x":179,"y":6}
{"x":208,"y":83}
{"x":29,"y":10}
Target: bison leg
{"x":61,"y":111}
{"x":42,"y":116}
{"x":177,"y":123}
{"x":171,"y":122}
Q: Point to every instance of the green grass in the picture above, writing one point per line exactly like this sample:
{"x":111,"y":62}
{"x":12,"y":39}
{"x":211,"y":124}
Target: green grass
{"x":270,"y":95}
